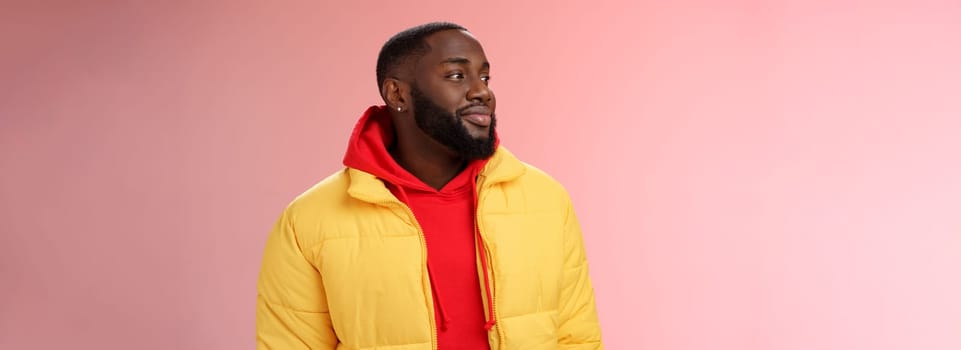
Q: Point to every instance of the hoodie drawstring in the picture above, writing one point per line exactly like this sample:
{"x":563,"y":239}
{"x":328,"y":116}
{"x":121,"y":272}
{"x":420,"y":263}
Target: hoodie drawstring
{"x":444,"y":319}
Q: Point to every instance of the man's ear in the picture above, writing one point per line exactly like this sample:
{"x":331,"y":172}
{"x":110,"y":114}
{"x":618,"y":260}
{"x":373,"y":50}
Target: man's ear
{"x":394,"y":93}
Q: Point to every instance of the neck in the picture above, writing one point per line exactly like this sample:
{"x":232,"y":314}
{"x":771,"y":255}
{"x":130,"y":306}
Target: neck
{"x":435,"y":165}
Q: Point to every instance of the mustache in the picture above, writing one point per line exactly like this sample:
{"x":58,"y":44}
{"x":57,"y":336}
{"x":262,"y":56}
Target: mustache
{"x":460,"y":111}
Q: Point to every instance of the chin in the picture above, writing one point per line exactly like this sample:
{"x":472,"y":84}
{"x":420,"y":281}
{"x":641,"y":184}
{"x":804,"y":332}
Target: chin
{"x":482,"y":137}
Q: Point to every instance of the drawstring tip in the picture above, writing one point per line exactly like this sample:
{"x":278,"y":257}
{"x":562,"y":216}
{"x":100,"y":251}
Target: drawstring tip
{"x":489,"y":325}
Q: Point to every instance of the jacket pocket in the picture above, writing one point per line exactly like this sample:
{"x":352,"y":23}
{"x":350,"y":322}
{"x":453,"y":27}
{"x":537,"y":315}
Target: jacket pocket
{"x":534,"y":331}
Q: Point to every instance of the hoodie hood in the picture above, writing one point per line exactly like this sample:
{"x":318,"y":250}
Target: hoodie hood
{"x":367,"y":151}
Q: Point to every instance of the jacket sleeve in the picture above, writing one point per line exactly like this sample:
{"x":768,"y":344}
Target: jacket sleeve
{"x":292,"y":308}
{"x":579,"y":327}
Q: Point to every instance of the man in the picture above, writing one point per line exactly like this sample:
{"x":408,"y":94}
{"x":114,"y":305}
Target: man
{"x":434,"y":236}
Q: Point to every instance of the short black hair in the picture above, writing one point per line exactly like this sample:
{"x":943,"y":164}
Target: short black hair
{"x":405,"y":44}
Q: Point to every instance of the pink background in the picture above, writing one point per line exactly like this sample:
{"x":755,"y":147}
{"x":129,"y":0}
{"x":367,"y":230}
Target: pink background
{"x":754,"y":175}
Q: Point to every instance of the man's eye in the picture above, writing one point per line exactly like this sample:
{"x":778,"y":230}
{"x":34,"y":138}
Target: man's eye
{"x":455,"y":76}
{"x":486,"y":78}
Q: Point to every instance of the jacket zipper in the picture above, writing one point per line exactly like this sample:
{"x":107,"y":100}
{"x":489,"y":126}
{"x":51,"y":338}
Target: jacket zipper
{"x":430,"y":290}
{"x":490,"y":269}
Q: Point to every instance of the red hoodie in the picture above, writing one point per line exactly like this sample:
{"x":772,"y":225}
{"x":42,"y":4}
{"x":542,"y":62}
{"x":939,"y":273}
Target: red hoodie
{"x":447,"y":218}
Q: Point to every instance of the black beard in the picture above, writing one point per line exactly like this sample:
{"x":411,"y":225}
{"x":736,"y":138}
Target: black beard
{"x":447,"y":129}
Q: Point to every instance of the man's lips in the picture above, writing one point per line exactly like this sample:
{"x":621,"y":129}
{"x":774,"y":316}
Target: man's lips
{"x":479,"y":115}
{"x":481,"y":120}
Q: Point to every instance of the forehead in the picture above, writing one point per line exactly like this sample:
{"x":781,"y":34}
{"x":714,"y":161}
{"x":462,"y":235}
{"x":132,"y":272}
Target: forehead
{"x":453,"y":43}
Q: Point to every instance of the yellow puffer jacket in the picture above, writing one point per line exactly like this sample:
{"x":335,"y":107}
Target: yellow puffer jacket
{"x":345,"y":267}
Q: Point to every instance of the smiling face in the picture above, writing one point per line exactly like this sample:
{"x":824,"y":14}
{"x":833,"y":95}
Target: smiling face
{"x":452,"y":101}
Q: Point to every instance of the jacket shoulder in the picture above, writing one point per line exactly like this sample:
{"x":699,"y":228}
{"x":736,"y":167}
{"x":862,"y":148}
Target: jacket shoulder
{"x":310,"y":213}
{"x":542,"y":183}
{"x":321,"y":195}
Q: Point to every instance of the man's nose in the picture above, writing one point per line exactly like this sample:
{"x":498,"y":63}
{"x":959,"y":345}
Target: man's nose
{"x":479,"y":91}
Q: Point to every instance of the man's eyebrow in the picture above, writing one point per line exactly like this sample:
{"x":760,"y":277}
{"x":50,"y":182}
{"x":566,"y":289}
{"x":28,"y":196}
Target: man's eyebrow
{"x":463,"y":60}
